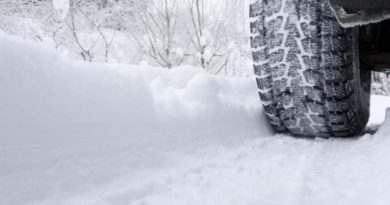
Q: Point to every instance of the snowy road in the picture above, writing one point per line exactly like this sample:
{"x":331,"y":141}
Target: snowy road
{"x":73,"y":133}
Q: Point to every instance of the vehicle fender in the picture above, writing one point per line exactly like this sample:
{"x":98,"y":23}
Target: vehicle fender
{"x":352,"y":13}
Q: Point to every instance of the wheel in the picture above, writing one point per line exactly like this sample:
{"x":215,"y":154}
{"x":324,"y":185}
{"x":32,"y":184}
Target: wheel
{"x":307,"y":69}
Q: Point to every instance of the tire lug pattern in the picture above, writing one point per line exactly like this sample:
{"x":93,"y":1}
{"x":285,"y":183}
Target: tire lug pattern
{"x":305,"y":69}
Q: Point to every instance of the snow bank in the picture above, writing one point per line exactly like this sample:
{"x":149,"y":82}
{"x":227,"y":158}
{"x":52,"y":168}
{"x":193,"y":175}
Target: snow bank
{"x":68,"y":127}
{"x":378,"y":107}
{"x":47,"y":90}
{"x":74,"y":133}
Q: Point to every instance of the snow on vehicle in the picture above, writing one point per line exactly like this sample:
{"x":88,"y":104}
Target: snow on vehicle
{"x":313,"y":63}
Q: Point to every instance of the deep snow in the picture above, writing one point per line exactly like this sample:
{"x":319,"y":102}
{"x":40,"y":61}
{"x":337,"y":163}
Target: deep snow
{"x":74,"y":133}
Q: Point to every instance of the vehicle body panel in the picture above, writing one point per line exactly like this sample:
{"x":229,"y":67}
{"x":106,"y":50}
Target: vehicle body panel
{"x":352,"y":13}
{"x":354,"y":6}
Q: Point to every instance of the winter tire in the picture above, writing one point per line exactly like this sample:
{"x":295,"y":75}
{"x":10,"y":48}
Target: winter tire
{"x":307,"y":69}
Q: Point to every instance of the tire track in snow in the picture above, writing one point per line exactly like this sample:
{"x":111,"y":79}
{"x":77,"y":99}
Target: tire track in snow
{"x":283,"y":170}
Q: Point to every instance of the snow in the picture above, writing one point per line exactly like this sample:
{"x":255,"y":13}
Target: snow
{"x":77,"y":133}
{"x":62,"y":6}
{"x":378,"y":107}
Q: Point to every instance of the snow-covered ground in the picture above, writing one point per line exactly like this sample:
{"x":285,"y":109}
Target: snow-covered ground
{"x":74,"y":133}
{"x":379,"y":104}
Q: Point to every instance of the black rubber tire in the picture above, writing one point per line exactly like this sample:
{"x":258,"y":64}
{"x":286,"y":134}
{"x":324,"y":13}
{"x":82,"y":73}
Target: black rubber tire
{"x":307,"y":69}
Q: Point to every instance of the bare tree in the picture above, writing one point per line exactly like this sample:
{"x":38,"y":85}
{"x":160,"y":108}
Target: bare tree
{"x":107,"y":40}
{"x":158,"y":26}
{"x":86,"y":52}
{"x":91,"y":16}
{"x":196,"y":8}
{"x":207,"y":33}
